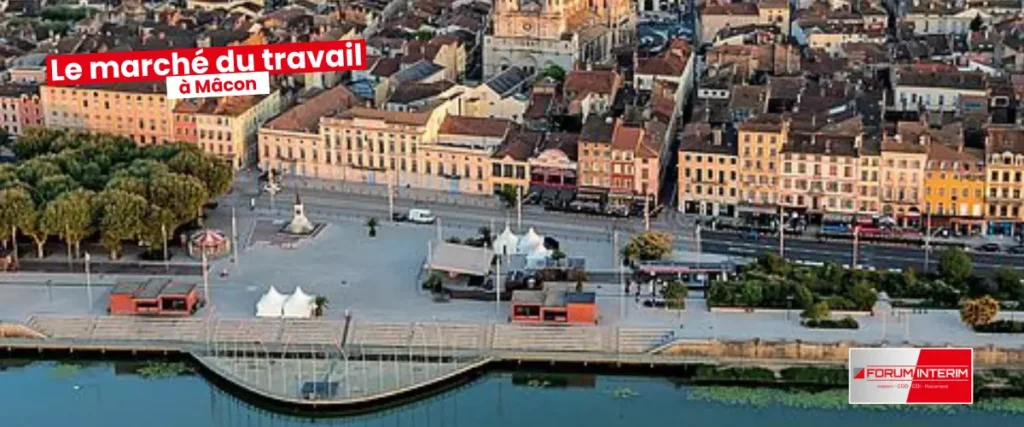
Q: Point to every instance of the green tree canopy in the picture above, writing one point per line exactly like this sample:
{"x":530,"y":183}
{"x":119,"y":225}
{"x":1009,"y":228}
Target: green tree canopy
{"x":555,"y":72}
{"x":182,"y":195}
{"x":863,"y":296}
{"x":122,"y":217}
{"x":16,"y":210}
{"x":955,"y":266}
{"x":649,"y":246}
{"x":49,"y":188}
{"x":1008,"y":279}
{"x":816,"y":311}
{"x":71,"y":216}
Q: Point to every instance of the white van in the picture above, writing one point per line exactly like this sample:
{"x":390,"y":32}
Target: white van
{"x":421,"y":216}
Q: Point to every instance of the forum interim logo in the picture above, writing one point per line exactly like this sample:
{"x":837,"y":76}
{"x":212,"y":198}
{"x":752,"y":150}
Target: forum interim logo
{"x":911,"y":376}
{"x":208,"y":72}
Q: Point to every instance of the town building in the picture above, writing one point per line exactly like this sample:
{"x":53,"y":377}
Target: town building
{"x":760,"y":141}
{"x":226,"y":127}
{"x":20,"y":108}
{"x":283,"y":141}
{"x":916,"y":91}
{"x":709,"y":180}
{"x":462,"y":154}
{"x":1004,"y":163}
{"x":591,"y":92}
{"x":902,"y":184}
{"x":139,"y":111}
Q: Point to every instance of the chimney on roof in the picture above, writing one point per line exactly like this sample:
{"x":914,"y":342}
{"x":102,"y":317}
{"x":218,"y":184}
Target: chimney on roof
{"x":923,"y":139}
{"x":716,"y":136}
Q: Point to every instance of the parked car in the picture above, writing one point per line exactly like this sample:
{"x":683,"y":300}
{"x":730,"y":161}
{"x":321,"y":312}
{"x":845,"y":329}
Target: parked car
{"x":421,"y":216}
{"x":399,"y":217}
{"x":988,"y":247}
{"x":1017,"y":250}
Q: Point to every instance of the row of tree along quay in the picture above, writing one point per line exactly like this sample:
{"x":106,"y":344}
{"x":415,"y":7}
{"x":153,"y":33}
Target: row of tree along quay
{"x":773,"y":282}
{"x":74,"y":186}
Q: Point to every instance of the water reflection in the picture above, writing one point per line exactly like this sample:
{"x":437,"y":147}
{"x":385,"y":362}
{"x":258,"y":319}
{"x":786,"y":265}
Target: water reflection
{"x":112,"y":394}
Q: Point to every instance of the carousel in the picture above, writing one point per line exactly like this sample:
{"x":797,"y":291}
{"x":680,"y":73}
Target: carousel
{"x":212,"y":243}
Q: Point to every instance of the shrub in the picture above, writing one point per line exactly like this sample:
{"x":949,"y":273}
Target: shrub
{"x":844,"y":323}
{"x":1001,"y":327}
{"x":815,"y":375}
{"x":712,"y":373}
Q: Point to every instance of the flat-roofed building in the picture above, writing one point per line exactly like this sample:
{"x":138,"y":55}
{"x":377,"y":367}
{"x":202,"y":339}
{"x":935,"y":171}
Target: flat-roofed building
{"x":139,"y":111}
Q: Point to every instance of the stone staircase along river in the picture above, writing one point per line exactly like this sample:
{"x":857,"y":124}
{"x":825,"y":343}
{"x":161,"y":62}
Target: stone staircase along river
{"x":460,"y":336}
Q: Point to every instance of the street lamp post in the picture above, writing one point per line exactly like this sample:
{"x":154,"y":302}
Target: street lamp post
{"x":163,"y":232}
{"x":927,"y":238}
{"x":856,"y":233}
{"x":88,"y":280}
{"x":782,"y":232}
{"x":519,"y":209}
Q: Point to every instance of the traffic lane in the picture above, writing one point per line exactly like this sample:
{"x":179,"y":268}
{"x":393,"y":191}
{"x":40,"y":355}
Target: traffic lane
{"x":886,"y":258}
{"x":895,"y":252}
{"x":379,"y":204}
{"x":467,"y":223}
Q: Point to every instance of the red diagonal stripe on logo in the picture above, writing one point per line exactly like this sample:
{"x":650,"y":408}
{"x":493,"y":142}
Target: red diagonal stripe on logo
{"x":860,"y":374}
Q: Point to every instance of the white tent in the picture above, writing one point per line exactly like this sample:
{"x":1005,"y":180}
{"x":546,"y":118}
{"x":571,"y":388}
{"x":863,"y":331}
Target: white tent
{"x":299,"y":305}
{"x":538,"y":257}
{"x":506,"y":243}
{"x":530,"y":241}
{"x":271,"y":304}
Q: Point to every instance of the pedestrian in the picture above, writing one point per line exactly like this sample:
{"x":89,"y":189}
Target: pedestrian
{"x":252,"y":204}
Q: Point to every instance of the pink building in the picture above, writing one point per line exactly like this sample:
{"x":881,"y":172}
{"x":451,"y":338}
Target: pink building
{"x":20,"y":108}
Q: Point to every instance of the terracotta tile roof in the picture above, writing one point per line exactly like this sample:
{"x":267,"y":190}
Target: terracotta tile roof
{"x":519,"y":145}
{"x":476,"y":126}
{"x":305,"y":117}
{"x":413,"y":91}
{"x":396,"y":117}
{"x":567,"y":143}
{"x":763,"y":123}
{"x":540,"y":104}
{"x":943,"y":157}
{"x":225,"y":106}
{"x":386,"y":67}
{"x":626,"y":138}
{"x":583,"y":82}
{"x":730,"y":9}
{"x":671,"y":62}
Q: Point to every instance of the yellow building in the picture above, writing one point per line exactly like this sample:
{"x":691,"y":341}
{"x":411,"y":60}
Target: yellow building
{"x":461,"y":155}
{"x":708,"y":172}
{"x":1004,"y":162}
{"x":869,"y":165}
{"x":139,"y":111}
{"x":226,"y":127}
{"x":282,"y":139}
{"x":510,"y":163}
{"x":760,"y":142}
{"x":954,"y":184}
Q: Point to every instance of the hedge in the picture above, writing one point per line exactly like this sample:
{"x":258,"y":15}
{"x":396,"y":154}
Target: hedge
{"x":844,"y":323}
{"x":1001,"y":327}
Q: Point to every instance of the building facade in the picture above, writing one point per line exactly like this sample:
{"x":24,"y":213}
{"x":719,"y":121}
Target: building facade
{"x":138,"y":111}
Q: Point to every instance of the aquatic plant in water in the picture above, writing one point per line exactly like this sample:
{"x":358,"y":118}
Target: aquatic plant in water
{"x":65,"y":370}
{"x":157,"y":370}
{"x":836,"y":399}
{"x":624,"y":393}
{"x":539,"y":383}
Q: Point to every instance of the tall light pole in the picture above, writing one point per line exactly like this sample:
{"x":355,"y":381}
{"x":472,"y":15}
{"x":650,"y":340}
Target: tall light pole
{"x":497,"y":289}
{"x":206,"y":281}
{"x":647,"y":213}
{"x":272,"y":188}
{"x":163,"y":232}
{"x":88,"y":280}
{"x":927,"y":237}
{"x":782,"y":232}
{"x":391,"y":198}
{"x":519,"y":209}
{"x":856,"y":231}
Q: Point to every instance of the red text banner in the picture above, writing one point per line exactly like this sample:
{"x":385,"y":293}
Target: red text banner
{"x":156,"y":65}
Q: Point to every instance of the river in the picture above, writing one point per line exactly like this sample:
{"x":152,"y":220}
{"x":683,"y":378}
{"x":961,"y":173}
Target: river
{"x":116,"y":394}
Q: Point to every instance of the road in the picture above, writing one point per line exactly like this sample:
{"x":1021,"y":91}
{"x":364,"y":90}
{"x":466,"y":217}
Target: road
{"x":595,"y":228}
{"x":880,"y":257}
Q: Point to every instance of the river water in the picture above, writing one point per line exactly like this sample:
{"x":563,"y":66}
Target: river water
{"x":109,"y":394}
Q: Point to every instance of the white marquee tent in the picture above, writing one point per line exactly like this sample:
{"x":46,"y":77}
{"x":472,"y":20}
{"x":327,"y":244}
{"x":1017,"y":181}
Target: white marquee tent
{"x":271,"y":304}
{"x":530,"y":241}
{"x":507,"y":243}
{"x":298,"y":306}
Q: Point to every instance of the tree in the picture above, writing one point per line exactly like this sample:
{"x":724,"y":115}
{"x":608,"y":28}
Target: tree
{"x":977,"y":24}
{"x":804,"y":297}
{"x":36,"y":227}
{"x":52,"y":186}
{"x":183,"y":195}
{"x":955,"y":266}
{"x":215,"y":174}
{"x":486,"y":237}
{"x":319,"y":305}
{"x":864,"y":296}
{"x":34,"y":170}
{"x":434,"y":282}
{"x":16,"y":210}
{"x":816,"y":311}
{"x":508,"y":195}
{"x":675,"y":294}
{"x":1008,"y":279}
{"x":648,"y":246}
{"x":557,"y":255}
{"x":979,"y":311}
{"x":158,"y":220}
{"x":372,"y":225}
{"x":424,"y":35}
{"x":555,"y":72}
{"x":752,"y":293}
{"x":774,"y":264}
{"x":122,"y":217}
{"x":72,"y":216}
